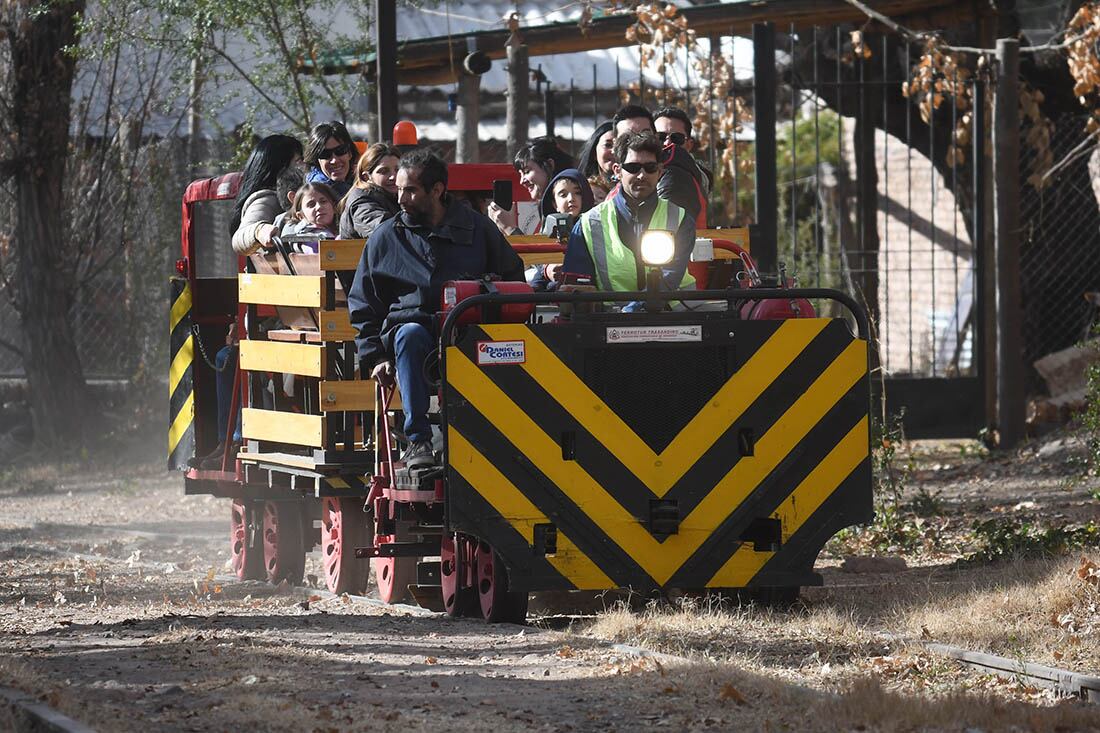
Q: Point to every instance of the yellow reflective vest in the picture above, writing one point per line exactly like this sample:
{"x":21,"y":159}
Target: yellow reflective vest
{"x":616,"y":267}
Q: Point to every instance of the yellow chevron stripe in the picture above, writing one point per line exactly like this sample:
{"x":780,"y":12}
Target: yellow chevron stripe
{"x":338,"y":483}
{"x":181,"y":422}
{"x":660,"y":472}
{"x":181,"y":362}
{"x":180,"y":308}
{"x":511,"y":504}
{"x":800,"y":505}
{"x":658,"y":559}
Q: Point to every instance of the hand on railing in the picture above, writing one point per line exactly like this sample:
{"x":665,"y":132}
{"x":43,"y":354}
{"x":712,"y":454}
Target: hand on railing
{"x":384,"y":374}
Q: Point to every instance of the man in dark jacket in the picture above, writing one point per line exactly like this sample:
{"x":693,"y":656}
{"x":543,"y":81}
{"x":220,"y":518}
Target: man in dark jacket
{"x":399,"y":282}
{"x":681,"y":180}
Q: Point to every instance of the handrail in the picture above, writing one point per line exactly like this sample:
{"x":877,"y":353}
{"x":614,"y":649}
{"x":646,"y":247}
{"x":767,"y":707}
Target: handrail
{"x":730,"y":296}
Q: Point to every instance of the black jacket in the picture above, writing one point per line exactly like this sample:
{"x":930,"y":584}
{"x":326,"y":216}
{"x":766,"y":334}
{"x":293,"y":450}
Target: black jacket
{"x":683,"y":182}
{"x":401,"y":274}
{"x":364,"y":210}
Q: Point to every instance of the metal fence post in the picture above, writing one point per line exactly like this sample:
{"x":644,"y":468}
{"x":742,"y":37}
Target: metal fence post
{"x":1006,"y":182}
{"x":767,"y":204}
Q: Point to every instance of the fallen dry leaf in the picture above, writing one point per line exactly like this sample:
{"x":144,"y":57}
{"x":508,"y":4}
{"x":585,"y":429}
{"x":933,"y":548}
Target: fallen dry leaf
{"x":729,"y":692}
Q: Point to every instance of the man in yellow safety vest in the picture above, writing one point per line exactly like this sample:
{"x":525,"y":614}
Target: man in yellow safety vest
{"x":605,"y":243}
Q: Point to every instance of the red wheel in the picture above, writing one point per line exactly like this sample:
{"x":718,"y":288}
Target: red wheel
{"x":459,"y":599}
{"x":394,"y":575}
{"x":344,"y":526}
{"x":246,"y":551}
{"x":498,"y":604}
{"x":284,"y":551}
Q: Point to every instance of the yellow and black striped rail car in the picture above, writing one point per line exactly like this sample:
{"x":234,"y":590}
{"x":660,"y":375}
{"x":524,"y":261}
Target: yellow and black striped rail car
{"x":669,"y":451}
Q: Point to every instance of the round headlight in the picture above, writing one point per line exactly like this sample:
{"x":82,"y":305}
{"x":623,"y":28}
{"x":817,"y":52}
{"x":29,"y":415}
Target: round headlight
{"x":658,"y":247}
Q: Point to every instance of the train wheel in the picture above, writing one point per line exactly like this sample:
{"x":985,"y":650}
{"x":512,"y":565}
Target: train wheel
{"x":394,"y":575}
{"x":498,"y":604}
{"x":457,"y":600}
{"x":284,"y":551}
{"x":247,"y":555}
{"x":344,"y":526}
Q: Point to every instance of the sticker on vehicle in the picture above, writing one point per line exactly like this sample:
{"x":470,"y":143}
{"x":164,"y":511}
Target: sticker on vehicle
{"x":501,"y":352}
{"x":649,"y":334}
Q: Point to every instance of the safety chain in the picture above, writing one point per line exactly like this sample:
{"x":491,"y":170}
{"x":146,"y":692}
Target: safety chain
{"x":202,"y":349}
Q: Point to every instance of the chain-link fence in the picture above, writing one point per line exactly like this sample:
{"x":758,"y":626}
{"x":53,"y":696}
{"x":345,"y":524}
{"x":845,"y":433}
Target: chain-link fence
{"x":124,"y":237}
{"x":1060,"y":244}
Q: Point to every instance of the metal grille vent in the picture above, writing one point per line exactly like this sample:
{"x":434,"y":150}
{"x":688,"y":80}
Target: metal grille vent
{"x":656,"y":390}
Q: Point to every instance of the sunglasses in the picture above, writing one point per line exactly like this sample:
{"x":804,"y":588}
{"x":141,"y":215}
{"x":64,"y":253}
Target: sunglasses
{"x":636,"y":168}
{"x":330,"y":153}
{"x":676,"y":138}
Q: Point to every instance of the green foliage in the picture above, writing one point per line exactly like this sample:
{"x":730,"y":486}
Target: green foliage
{"x":926,"y":503}
{"x":247,"y":53}
{"x":1006,"y":539}
{"x":1090,"y":421}
{"x":896,"y":527}
{"x":806,"y":144}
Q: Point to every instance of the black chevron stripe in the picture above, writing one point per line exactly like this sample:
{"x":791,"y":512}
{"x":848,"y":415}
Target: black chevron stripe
{"x":700,"y":479}
{"x":775,"y":488}
{"x":615,"y":562}
{"x":527,"y":571}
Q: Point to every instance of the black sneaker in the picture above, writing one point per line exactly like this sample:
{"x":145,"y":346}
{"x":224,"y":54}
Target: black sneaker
{"x":419,"y":455}
{"x":197,"y":461}
{"x":213,"y":462}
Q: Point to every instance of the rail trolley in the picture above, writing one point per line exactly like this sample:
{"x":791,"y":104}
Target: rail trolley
{"x":715,"y":445}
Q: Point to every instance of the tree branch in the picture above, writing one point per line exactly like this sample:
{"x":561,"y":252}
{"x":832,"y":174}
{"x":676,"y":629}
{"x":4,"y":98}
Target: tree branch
{"x":257,"y":88}
{"x":280,"y":36}
{"x":310,"y":40}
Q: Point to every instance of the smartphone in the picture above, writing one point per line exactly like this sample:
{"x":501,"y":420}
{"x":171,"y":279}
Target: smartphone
{"x":502,"y":193}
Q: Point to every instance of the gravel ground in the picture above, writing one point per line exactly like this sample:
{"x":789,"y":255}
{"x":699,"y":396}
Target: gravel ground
{"x":114,"y":609}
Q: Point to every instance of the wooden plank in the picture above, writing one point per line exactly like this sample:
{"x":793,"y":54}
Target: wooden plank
{"x":543,"y":258}
{"x":341,"y":254}
{"x":307,"y":360}
{"x":515,"y":239}
{"x":306,"y":291}
{"x":279,"y":459}
{"x":336,"y":325}
{"x":737,"y":235}
{"x":294,"y":336}
{"x":347,"y":395}
{"x":429,"y":60}
{"x":283,"y":427}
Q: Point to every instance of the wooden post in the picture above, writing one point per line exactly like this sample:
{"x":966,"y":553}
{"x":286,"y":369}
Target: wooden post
{"x":385,"y":65}
{"x":467,"y":145}
{"x":518,"y":117}
{"x":1006,"y":193}
{"x":763,"y":97}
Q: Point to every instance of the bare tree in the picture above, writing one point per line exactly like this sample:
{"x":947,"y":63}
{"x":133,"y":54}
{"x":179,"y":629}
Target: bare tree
{"x":34,"y":120}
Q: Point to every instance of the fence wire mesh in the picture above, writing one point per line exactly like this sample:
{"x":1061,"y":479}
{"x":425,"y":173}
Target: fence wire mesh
{"x":1060,"y":253}
{"x":123,"y":239}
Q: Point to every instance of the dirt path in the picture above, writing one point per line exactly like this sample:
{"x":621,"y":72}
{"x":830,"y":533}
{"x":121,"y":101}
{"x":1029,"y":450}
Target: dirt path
{"x":112,"y":609}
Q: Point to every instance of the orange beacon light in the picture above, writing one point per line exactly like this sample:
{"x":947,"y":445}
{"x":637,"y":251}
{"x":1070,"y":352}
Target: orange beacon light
{"x":404,"y":133}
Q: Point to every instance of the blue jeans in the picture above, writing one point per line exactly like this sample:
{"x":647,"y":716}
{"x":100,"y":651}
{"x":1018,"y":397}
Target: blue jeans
{"x":226,"y":360}
{"x":411,"y":344}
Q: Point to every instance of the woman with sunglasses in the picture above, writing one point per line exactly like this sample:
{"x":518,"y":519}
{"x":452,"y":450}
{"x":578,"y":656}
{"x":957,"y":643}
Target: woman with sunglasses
{"x":373,"y":198}
{"x":329,"y":155}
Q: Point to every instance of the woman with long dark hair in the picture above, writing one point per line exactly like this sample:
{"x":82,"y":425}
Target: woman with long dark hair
{"x":257,"y":204}
{"x":597,"y":157}
{"x":329,"y":155}
{"x":537,"y":162}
